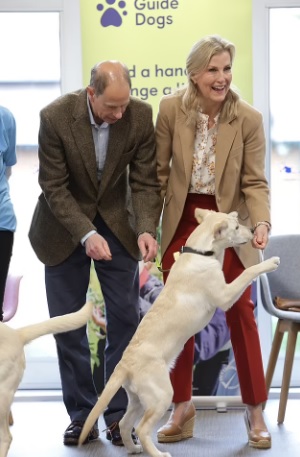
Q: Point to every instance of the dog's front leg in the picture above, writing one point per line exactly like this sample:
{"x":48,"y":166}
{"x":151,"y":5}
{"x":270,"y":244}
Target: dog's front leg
{"x":234,"y":290}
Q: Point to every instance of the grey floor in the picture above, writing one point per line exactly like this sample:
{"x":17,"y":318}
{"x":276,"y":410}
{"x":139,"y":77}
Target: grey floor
{"x":39,"y":426}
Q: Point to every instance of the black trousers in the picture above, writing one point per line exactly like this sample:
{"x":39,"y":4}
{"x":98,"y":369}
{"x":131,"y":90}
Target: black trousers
{"x":6,"y":247}
{"x":66,"y":288}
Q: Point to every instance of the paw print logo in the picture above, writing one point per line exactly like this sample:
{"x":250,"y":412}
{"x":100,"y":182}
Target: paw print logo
{"x":112,"y":15}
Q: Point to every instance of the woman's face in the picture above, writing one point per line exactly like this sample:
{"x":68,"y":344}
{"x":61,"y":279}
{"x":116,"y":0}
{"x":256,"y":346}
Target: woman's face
{"x":214,"y":82}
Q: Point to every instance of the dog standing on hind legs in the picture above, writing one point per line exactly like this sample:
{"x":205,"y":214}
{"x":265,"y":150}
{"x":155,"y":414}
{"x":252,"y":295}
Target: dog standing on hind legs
{"x":195,"y":288}
{"x":12,"y":359}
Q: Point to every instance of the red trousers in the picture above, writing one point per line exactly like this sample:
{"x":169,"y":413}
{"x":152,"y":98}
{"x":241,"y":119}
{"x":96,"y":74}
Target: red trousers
{"x":240,"y":319}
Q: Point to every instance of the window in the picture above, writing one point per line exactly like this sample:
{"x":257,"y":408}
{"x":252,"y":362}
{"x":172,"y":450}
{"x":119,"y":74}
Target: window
{"x":40,"y":60}
{"x":276,"y":33}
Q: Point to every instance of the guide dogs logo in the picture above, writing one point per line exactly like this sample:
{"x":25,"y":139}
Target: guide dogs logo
{"x":146,"y":12}
{"x":112,"y":15}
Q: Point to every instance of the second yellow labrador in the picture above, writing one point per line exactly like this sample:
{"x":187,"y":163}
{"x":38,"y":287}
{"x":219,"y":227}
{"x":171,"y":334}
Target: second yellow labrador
{"x":12,"y":359}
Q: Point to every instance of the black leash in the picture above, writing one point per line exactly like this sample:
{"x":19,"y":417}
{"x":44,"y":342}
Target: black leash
{"x":194,"y":251}
{"x":183,"y":250}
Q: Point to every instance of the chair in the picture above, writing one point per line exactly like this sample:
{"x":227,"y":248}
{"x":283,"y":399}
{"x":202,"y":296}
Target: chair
{"x":285,"y":283}
{"x":10,"y":305}
{"x":11,"y":296}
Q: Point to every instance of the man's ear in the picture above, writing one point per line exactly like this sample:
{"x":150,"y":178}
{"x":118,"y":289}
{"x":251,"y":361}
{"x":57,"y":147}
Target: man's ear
{"x":219,"y":229}
{"x":200,"y":214}
{"x":91,"y":92}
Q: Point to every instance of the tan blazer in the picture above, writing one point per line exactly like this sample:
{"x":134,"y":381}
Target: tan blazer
{"x":71,"y":195}
{"x":240,"y":179}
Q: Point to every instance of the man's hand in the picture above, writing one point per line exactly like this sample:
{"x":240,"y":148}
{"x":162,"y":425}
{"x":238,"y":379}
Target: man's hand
{"x":97,"y":247}
{"x":148,"y":246}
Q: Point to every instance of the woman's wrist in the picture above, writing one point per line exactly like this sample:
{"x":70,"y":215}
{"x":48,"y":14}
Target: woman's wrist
{"x":266,"y":223}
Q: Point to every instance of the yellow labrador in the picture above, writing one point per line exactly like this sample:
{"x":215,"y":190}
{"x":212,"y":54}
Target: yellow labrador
{"x":194,"y":289}
{"x":12,"y":359}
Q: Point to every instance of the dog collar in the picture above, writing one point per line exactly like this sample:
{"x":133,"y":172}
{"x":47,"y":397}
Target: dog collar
{"x":186,"y":249}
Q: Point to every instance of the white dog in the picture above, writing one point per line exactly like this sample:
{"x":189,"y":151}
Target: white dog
{"x":12,"y":359}
{"x":194,"y":289}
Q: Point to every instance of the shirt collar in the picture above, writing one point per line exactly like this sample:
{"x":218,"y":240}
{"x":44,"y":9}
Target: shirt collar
{"x":104,"y":125}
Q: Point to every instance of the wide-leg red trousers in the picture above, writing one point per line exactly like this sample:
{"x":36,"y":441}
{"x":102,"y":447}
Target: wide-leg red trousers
{"x":240,"y":319}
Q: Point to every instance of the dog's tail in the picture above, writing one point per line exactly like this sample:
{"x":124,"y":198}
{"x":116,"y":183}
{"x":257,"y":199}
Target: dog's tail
{"x":59,"y":324}
{"x":114,"y":383}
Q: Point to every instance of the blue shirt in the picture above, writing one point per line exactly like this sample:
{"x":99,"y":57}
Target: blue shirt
{"x":7,"y":159}
{"x":100,"y":137}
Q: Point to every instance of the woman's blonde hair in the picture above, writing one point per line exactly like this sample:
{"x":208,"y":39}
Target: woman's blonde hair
{"x":197,"y":61}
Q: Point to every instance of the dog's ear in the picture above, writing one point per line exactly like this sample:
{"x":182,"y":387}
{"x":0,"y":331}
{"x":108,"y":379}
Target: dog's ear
{"x":234,"y":214}
{"x":200,"y":214}
{"x":219,"y":229}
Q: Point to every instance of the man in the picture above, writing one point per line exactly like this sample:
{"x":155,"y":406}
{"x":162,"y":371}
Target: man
{"x":100,"y":200}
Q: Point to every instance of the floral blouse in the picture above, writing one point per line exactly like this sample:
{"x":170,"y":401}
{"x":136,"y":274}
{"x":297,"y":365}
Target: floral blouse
{"x":203,"y":172}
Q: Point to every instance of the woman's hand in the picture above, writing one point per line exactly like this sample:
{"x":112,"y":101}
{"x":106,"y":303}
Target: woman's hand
{"x":261,"y":236}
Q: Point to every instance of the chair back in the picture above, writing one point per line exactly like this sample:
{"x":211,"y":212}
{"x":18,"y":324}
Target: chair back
{"x":11,"y":296}
{"x":285,"y":281}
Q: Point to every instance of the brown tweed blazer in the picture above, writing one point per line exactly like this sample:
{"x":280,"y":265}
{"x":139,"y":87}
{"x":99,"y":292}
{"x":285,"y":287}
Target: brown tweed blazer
{"x":241,"y":184}
{"x":128,"y":197}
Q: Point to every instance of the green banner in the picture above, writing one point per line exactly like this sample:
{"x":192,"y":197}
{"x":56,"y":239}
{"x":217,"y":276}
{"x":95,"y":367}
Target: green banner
{"x":153,"y":39}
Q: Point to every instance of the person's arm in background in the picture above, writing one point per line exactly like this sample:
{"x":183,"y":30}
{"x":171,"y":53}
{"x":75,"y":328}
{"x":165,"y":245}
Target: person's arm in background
{"x":210,"y":340}
{"x":9,"y":132}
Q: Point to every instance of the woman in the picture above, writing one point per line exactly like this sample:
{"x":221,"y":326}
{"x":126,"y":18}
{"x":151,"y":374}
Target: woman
{"x":7,"y":215}
{"x":211,"y":154}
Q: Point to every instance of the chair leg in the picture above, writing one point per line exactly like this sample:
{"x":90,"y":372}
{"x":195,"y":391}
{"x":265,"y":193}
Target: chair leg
{"x":287,"y":370}
{"x":276,"y":345}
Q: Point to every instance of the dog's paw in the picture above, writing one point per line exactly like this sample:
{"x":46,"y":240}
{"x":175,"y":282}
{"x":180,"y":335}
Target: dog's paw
{"x":271,"y":264}
{"x":136,"y":449}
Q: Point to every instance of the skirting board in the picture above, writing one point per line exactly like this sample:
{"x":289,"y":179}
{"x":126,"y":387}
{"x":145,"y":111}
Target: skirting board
{"x":218,"y":402}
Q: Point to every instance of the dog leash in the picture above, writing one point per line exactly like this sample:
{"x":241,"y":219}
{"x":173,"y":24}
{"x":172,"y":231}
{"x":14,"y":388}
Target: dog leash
{"x":159,"y":266}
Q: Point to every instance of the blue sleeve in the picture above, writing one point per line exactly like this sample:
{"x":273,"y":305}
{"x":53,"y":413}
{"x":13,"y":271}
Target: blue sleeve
{"x":8,"y":137}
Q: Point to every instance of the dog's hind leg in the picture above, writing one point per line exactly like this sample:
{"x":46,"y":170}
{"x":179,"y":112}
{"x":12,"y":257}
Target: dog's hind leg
{"x":133,"y":413}
{"x":156,"y":397}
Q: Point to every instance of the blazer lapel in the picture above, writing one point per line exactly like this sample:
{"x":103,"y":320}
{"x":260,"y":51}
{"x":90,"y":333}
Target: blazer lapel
{"x":118,"y":134}
{"x":225,"y":138}
{"x":82,"y":132}
{"x":187,"y":141}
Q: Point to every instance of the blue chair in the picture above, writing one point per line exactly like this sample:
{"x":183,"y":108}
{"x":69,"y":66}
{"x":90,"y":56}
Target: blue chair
{"x":284,"y":283}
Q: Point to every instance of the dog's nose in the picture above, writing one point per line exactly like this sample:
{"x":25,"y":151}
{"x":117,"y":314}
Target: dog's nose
{"x":252,"y":230}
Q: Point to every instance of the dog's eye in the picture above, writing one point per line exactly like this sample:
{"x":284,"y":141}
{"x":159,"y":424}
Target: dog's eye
{"x":237,"y":227}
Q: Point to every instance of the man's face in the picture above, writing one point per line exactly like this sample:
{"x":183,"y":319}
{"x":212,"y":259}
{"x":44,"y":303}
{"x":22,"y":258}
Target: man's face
{"x":110,"y":106}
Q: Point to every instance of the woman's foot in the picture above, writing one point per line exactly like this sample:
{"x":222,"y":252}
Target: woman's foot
{"x":258,"y":434}
{"x":180,"y":425}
